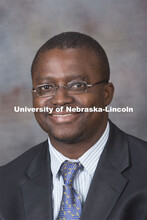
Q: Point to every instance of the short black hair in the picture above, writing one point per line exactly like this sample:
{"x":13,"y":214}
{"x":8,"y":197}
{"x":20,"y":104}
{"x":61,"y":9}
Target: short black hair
{"x":76,"y":40}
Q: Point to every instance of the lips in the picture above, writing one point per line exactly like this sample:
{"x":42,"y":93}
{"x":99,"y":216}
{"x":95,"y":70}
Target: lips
{"x":63,"y":117}
{"x":66,"y":115}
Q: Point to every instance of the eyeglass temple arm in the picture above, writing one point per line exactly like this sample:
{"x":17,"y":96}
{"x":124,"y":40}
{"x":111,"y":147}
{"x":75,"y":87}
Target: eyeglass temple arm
{"x":104,"y":81}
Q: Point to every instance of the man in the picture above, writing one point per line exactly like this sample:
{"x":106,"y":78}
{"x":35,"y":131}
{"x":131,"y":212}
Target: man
{"x":88,"y":169}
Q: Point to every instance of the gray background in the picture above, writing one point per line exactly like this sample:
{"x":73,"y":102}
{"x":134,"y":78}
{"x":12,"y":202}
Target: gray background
{"x":119,"y":25}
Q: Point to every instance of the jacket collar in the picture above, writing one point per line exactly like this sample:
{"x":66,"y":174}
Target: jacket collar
{"x":108,"y":181}
{"x":37,"y":192}
{"x":117,"y":149}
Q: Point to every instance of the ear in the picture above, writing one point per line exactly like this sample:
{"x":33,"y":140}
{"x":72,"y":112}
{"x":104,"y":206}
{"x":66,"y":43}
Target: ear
{"x":108,"y":93}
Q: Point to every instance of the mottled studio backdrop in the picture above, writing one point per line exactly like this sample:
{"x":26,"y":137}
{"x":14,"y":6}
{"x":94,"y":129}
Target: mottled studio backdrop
{"x":119,"y":25}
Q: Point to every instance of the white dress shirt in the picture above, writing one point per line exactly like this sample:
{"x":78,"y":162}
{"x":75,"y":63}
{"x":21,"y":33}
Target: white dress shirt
{"x":82,"y":180}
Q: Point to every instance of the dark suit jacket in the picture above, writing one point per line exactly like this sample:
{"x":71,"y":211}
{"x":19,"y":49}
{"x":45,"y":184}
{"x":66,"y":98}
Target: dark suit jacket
{"x":118,"y":190}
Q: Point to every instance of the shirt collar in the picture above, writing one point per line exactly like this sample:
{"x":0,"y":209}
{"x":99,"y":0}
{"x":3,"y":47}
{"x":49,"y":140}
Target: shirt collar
{"x":57,"y":159}
{"x":89,"y":159}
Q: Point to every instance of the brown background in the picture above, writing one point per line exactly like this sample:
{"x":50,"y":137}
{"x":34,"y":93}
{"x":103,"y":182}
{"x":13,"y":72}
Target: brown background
{"x":119,"y":25}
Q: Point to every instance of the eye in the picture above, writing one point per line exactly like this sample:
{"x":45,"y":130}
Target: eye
{"x":77,"y":85}
{"x":48,"y":87}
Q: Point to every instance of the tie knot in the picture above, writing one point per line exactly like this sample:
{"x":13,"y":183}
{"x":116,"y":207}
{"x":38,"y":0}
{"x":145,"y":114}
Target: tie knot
{"x":69,"y":170}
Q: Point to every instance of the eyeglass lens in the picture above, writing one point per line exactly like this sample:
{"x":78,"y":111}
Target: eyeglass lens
{"x":72,"y":88}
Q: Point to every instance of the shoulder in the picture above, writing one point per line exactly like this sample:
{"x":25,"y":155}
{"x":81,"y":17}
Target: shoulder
{"x":137,"y":147}
{"x":136,"y":142}
{"x":133,"y":141}
{"x":138,"y":151}
{"x":22,"y":162}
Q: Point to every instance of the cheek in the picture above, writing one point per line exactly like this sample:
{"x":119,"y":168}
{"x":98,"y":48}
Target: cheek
{"x":91,"y":99}
{"x":40,"y":102}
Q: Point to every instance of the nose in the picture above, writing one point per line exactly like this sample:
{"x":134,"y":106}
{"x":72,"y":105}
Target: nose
{"x":62,"y":97}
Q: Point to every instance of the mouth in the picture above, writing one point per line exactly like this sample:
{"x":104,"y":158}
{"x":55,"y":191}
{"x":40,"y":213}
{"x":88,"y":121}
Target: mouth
{"x":64,"y":117}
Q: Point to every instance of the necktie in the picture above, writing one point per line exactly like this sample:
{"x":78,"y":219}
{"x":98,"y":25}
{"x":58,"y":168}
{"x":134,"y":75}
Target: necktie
{"x":70,"y":205}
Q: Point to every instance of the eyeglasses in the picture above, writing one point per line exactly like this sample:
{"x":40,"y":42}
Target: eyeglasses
{"x":46,"y":90}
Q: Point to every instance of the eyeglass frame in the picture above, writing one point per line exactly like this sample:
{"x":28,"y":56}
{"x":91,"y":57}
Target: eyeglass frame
{"x":65,"y":86}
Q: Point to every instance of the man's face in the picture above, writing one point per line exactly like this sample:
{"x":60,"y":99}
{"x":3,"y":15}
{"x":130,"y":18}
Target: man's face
{"x":60,"y":67}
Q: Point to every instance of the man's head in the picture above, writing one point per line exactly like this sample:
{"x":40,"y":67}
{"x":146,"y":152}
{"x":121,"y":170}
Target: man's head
{"x":72,"y":57}
{"x":75,"y":40}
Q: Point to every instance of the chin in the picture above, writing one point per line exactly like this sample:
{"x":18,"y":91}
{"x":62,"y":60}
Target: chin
{"x":66,"y":137}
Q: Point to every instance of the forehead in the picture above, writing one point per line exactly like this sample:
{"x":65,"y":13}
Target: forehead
{"x":67,"y":63}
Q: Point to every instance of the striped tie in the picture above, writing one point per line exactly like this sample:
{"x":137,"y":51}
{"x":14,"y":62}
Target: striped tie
{"x":70,"y":205}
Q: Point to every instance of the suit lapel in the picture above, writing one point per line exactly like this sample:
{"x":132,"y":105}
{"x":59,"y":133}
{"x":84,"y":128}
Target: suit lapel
{"x":37,"y":192}
{"x":108,"y":182}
